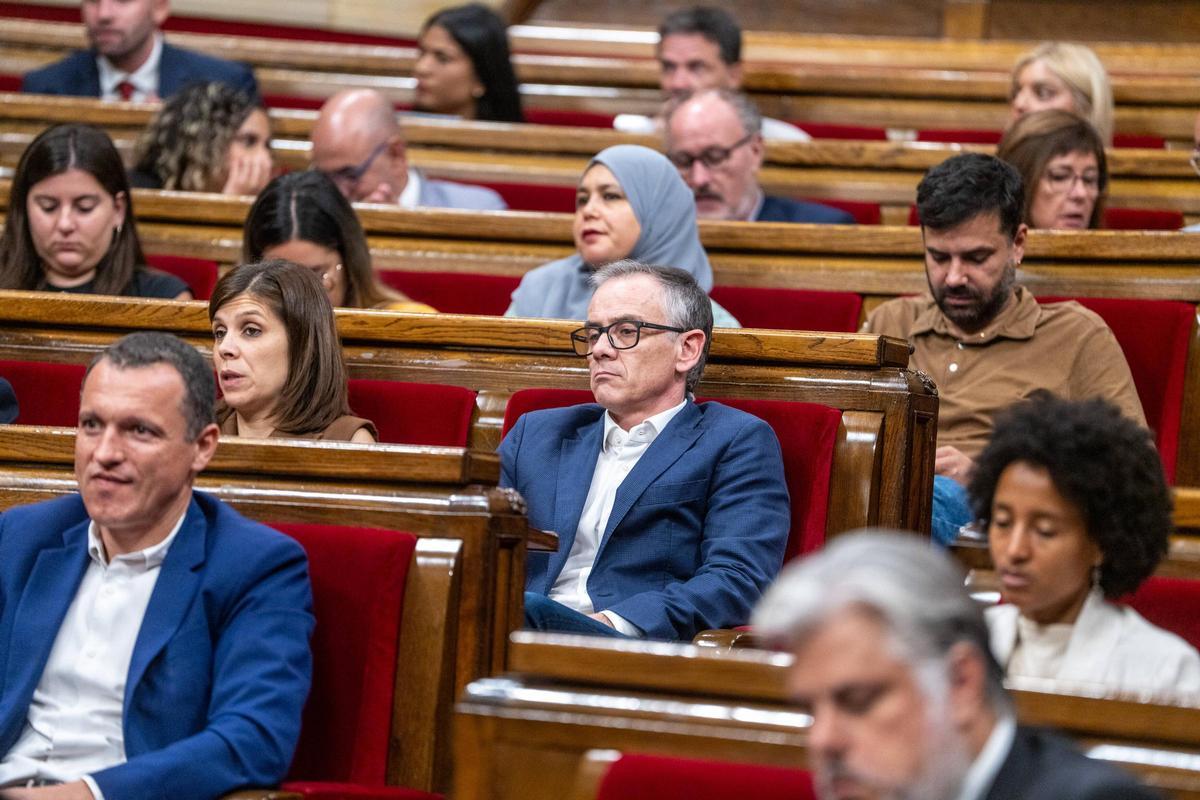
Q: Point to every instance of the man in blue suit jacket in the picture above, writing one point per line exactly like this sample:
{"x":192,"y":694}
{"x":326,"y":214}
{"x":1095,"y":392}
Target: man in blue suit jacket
{"x":714,"y":137}
{"x":672,"y":517}
{"x":129,"y":60}
{"x":153,"y":642}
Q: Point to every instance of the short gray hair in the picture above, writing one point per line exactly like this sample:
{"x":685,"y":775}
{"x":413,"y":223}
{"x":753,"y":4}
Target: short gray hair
{"x":147,"y":348}
{"x":747,"y":112}
{"x":915,"y":588}
{"x":685,"y":303}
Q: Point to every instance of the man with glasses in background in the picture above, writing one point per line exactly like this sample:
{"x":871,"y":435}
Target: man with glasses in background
{"x":672,"y":516}
{"x":714,"y":137}
{"x":357,"y":142}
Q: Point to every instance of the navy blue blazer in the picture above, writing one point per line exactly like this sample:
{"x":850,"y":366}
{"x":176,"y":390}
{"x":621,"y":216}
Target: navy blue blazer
{"x":784,"y":209}
{"x":77,"y":74}
{"x":698,"y":528}
{"x":1044,"y":766}
{"x":221,"y":667}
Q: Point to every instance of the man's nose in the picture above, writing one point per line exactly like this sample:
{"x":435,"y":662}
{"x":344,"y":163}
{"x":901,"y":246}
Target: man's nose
{"x":108,"y":447}
{"x":956,"y":275}
{"x":698,"y":174}
{"x":826,"y":736}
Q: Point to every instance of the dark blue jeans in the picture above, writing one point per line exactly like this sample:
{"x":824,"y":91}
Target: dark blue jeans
{"x":950,"y":509}
{"x":544,"y":614}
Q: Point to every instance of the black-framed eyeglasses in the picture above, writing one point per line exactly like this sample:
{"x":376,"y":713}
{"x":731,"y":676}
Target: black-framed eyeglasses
{"x":710,"y":157}
{"x":622,"y":335}
{"x":347,"y":178}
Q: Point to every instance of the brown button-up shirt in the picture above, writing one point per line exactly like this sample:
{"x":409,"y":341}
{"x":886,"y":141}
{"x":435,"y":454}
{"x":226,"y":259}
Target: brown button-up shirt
{"x":1062,"y":347}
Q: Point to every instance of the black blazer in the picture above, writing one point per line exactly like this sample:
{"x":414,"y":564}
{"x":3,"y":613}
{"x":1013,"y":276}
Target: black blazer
{"x":783,"y":209}
{"x":1044,"y":766}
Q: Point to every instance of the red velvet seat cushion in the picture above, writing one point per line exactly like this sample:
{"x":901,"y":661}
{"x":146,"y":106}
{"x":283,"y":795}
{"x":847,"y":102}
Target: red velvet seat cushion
{"x":358,"y":578}
{"x":47,"y":393}
{"x":415,"y":413}
{"x":1154,"y":336}
{"x":791,"y":309}
{"x":455,"y":292}
{"x":573,"y":119}
{"x":825,"y":130}
{"x":959,"y":136}
{"x":646,"y":777}
{"x":1139,"y":140}
{"x":1170,"y":603}
{"x":534,"y":196}
{"x":807,"y":436}
{"x":199,"y":274}
{"x":1142,"y":219}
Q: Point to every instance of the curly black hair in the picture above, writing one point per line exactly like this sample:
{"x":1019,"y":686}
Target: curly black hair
{"x":1103,"y":462}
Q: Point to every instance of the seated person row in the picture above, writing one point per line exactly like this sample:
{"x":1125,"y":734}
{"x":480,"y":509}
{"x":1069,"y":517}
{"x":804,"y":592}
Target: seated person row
{"x":1077,"y":514}
{"x":302,"y":217}
{"x":1063,"y":168}
{"x":206,"y":138}
{"x":70,"y":224}
{"x":464,"y":68}
{"x":672,"y":516}
{"x":155,"y":643}
{"x":714,"y":137}
{"x":891,"y":661}
{"x":985,"y":341}
{"x":278,"y":359}
{"x":128,"y":59}
{"x":1067,"y":77}
{"x":630,"y":204}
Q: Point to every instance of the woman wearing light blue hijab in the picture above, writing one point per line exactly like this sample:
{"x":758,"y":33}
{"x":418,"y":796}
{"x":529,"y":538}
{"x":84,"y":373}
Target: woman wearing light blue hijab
{"x":631,"y":203}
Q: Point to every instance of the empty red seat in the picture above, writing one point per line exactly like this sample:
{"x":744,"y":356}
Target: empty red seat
{"x":959,"y":136}
{"x":200,"y":274}
{"x":358,"y":579}
{"x":1139,"y":140}
{"x":573,"y":119}
{"x":826,"y":130}
{"x":455,"y":292}
{"x":1170,"y":603}
{"x":791,"y":309}
{"x":534,"y":196}
{"x":650,"y":777}
{"x":807,"y":435}
{"x":1154,"y":336}
{"x":415,"y":413}
{"x":47,"y":393}
{"x":1142,"y":219}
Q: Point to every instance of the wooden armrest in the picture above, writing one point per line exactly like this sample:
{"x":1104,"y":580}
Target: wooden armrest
{"x":592,"y":768}
{"x":262,"y":794}
{"x":725,"y":638}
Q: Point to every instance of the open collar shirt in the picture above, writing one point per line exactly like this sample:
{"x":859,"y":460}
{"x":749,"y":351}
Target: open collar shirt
{"x":144,"y":79}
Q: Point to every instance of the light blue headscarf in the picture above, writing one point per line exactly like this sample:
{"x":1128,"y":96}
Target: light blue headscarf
{"x":665,"y":209}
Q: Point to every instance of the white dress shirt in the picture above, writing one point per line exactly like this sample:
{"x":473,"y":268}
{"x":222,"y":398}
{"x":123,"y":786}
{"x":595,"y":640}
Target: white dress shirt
{"x":144,"y":78}
{"x":74,"y":725}
{"x":619,"y":454}
{"x":986,"y":766}
{"x":410,"y":196}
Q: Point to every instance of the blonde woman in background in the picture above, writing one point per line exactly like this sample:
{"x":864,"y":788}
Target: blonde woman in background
{"x":1064,"y":76}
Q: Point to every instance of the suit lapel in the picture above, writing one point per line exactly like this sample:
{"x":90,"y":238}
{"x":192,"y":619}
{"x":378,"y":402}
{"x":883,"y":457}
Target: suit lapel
{"x":51,"y":587}
{"x":168,"y":71}
{"x":91,"y":80}
{"x":576,"y":465}
{"x":178,"y":580}
{"x":664,"y":451}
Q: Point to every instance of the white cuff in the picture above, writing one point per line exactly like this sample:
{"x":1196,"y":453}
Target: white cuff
{"x":621,"y":624}
{"x":92,"y":787}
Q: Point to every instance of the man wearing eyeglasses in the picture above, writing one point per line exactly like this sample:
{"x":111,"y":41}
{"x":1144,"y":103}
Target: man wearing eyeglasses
{"x":714,"y":138}
{"x":357,"y":142}
{"x":672,"y":516}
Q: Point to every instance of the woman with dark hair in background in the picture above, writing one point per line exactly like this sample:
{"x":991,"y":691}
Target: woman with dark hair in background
{"x":303,"y":218}
{"x":1061,"y":160}
{"x":70,"y":225}
{"x":464,"y":67}
{"x":207,"y":138}
{"x":278,"y":358}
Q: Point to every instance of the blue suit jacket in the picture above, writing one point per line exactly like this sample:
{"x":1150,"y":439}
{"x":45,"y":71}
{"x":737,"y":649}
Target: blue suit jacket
{"x":77,"y":74}
{"x":784,"y":209}
{"x":221,"y":667}
{"x":698,"y":528}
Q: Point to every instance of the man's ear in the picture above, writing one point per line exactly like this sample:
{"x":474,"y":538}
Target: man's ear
{"x":758,"y":149}
{"x":206,"y":447}
{"x":735,"y":75}
{"x":1019,"y":243}
{"x":690,"y":346}
{"x":159,"y":12}
{"x":966,"y":674}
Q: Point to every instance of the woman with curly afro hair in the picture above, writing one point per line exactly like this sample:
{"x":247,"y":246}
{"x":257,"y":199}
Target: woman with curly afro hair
{"x":1077,"y":514}
{"x":207,"y":138}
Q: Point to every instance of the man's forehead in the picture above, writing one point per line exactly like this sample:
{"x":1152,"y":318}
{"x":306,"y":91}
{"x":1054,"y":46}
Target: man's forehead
{"x":627,"y":297}
{"x":133,"y":386}
{"x":703,"y":119}
{"x":689,"y":46}
{"x":984,"y":230}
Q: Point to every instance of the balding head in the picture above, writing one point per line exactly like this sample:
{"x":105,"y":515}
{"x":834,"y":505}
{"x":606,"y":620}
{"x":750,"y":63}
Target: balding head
{"x":357,"y":142}
{"x":714,"y":139}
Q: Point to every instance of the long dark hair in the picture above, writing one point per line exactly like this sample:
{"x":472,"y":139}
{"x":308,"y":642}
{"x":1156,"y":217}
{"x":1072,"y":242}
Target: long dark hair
{"x":483,"y":37}
{"x":315,"y":392}
{"x":57,"y":150}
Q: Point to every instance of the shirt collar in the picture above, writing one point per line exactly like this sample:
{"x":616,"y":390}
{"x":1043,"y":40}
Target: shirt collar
{"x":142,"y":560}
{"x":760,"y":198}
{"x":1018,"y":320}
{"x":646,"y":432}
{"x":410,"y":196}
{"x":144,"y":78}
{"x":987,"y":764}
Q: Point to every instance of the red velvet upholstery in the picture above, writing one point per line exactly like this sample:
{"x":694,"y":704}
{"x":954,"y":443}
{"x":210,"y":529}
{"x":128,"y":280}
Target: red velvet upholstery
{"x":573,"y":119}
{"x":455,"y":292}
{"x":10,"y":83}
{"x":1139,"y":140}
{"x":47,"y":393}
{"x":1154,"y":335}
{"x":415,"y":413}
{"x":1170,"y":603}
{"x":647,"y":777}
{"x":825,"y":130}
{"x":914,"y":218}
{"x":358,"y":577}
{"x":534,"y":196}
{"x":790,"y":309}
{"x":1142,"y":219}
{"x":959,"y":136}
{"x":199,"y":274}
{"x":807,"y":435}
{"x":864,"y":213}
{"x":293,"y":101}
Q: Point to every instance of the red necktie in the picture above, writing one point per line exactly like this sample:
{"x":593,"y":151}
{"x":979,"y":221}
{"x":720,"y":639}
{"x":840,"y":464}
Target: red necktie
{"x":125,"y":89}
